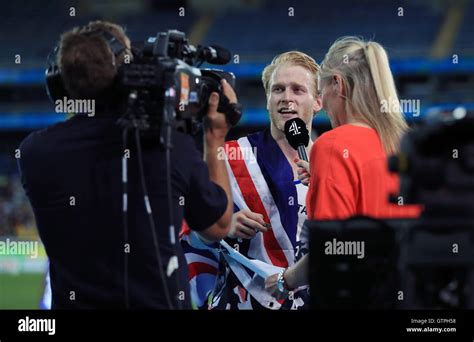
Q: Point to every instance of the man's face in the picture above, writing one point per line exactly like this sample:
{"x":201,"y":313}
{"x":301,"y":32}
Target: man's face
{"x":291,"y":95}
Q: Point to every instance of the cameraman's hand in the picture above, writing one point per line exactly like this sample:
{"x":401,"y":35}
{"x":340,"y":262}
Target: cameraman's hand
{"x":214,"y":141}
{"x":216,"y":121}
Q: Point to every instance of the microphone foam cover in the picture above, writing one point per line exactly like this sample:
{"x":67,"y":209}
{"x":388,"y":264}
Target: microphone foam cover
{"x":296,"y":133}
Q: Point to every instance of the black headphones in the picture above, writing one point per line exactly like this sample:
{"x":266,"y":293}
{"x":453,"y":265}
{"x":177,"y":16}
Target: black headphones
{"x":54,"y":82}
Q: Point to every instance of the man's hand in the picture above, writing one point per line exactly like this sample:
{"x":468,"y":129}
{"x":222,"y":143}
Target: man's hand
{"x":245,"y":224}
{"x":303,"y":171}
{"x":216,"y":121}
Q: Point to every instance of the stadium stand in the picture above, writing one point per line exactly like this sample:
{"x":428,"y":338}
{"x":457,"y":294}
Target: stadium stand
{"x":256,"y":32}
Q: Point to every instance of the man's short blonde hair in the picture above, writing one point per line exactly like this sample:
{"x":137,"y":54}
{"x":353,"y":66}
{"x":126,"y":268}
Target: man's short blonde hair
{"x":291,"y":58}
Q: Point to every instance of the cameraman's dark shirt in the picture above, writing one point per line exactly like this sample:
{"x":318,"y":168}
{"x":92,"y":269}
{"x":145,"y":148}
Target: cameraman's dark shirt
{"x":72,"y":175}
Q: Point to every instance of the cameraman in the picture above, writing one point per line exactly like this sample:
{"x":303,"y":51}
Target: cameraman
{"x":71,"y":172}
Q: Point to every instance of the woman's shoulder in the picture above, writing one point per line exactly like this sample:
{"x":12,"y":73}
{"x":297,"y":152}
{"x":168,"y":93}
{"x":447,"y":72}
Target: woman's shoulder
{"x":360,"y":143}
{"x":336,"y":135}
{"x":330,"y":142}
{"x":347,"y":135}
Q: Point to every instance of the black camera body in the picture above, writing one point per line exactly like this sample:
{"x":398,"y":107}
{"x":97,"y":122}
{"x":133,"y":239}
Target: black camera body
{"x":163,"y":83}
{"x":436,"y":163}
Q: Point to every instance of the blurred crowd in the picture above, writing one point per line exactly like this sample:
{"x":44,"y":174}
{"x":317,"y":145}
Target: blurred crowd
{"x":16,"y":215}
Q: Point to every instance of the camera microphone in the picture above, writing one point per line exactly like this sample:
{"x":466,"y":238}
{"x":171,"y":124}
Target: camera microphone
{"x":215,"y":54}
{"x":298,"y":136}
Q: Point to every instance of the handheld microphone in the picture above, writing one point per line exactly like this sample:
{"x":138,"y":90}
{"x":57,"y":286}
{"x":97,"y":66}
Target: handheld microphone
{"x":298,"y":136}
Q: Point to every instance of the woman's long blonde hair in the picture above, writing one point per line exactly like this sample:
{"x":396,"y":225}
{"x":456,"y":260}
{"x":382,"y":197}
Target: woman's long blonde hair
{"x":371,"y":96}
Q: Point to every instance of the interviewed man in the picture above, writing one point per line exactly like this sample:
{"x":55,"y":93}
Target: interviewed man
{"x":269,"y":200}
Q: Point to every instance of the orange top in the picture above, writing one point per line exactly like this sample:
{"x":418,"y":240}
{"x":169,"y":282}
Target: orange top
{"x":350,"y":176}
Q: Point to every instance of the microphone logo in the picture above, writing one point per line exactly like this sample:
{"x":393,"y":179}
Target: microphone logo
{"x":294,"y":128}
{"x":297,"y":136}
{"x":296,"y":133}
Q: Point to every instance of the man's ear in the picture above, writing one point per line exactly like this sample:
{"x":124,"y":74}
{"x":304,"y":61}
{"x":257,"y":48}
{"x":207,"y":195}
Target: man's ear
{"x":317,"y":104}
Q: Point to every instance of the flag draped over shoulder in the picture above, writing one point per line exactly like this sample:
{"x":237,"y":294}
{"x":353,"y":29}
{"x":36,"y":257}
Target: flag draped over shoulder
{"x":262,"y":181}
{"x":203,"y":266}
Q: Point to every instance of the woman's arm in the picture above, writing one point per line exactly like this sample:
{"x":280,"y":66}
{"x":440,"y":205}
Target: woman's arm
{"x":293,"y":277}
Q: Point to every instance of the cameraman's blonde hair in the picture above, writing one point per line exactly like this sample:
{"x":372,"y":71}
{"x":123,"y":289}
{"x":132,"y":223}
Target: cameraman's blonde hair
{"x":290,"y":58}
{"x":368,"y":85}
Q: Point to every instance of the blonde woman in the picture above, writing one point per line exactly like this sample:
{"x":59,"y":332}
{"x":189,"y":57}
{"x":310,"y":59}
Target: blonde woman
{"x":349,"y":174}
